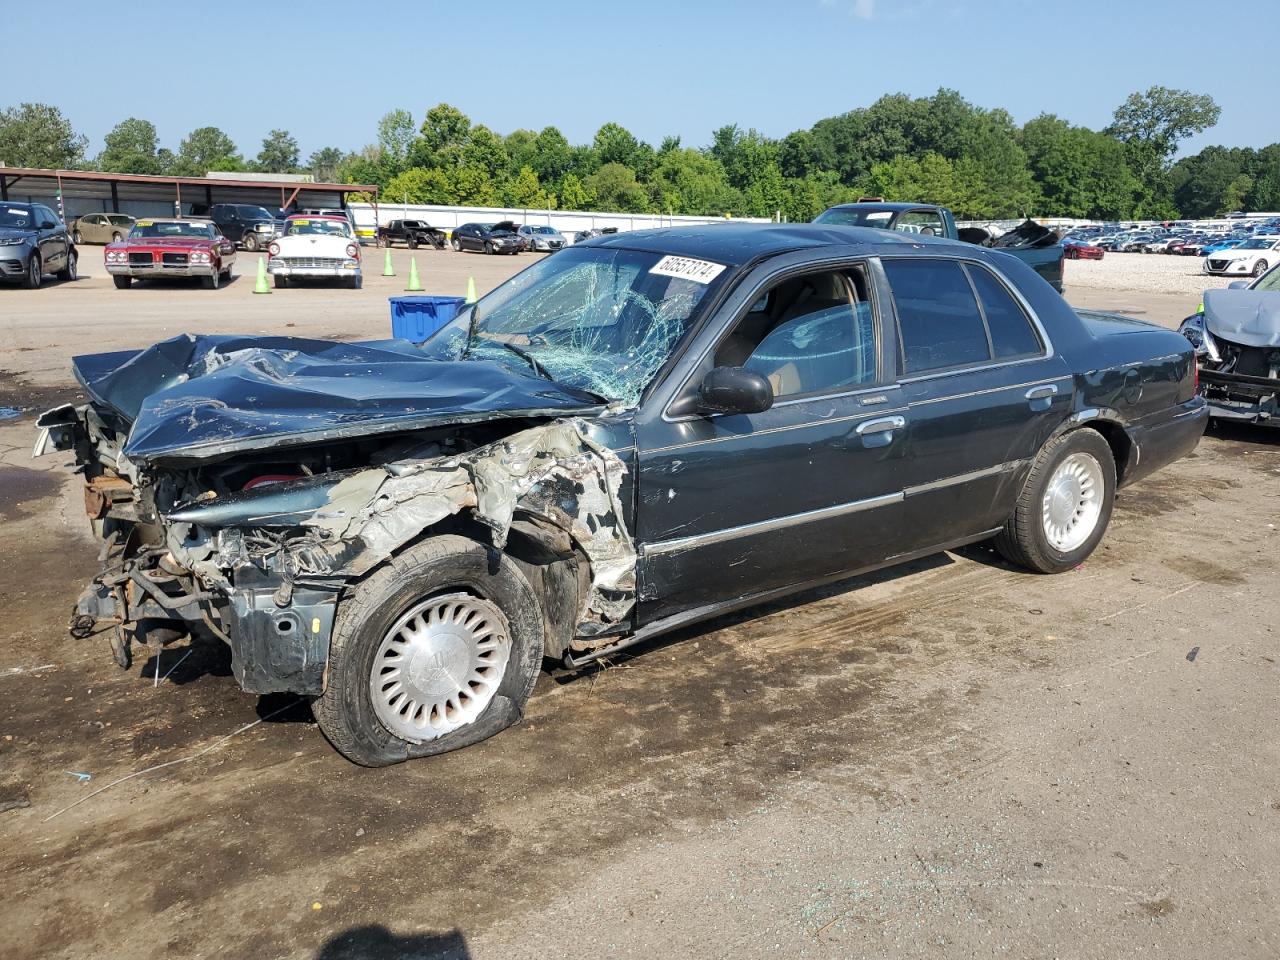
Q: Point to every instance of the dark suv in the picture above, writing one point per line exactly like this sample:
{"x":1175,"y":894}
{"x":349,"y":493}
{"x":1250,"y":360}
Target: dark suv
{"x":246,"y":224}
{"x":33,"y":242}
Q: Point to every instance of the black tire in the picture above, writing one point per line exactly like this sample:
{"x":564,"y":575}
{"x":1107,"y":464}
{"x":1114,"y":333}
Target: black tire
{"x":34,"y":276}
{"x":438,"y":566}
{"x":280,"y":281}
{"x":250,"y":242}
{"x":68,"y":273}
{"x":488,"y":248}
{"x":115,"y":238}
{"x":211,"y":282}
{"x":352,"y":283}
{"x":76,"y":238}
{"x":456,"y":244}
{"x":123,"y":283}
{"x":1260,"y":268}
{"x":413,"y":242}
{"x":1023,"y":540}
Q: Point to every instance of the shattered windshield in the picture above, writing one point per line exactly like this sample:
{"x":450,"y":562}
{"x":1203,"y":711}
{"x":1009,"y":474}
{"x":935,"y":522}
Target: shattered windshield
{"x":856,"y":217}
{"x":1268,"y":281}
{"x":598,"y":319}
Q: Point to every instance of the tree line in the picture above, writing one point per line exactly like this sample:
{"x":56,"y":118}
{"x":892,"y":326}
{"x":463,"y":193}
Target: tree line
{"x":940,"y":149}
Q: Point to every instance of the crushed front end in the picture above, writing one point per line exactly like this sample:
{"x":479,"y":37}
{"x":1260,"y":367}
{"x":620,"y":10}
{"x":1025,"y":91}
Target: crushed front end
{"x":251,"y":529}
{"x":1237,"y":341}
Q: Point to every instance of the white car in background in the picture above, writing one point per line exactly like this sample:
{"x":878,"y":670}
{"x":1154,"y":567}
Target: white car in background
{"x":1251,"y":259}
{"x":315,"y":248}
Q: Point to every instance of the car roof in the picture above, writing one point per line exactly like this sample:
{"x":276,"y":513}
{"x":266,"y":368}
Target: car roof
{"x":894,"y":206}
{"x":734,"y":243}
{"x":201,"y":221}
{"x":315,"y":216}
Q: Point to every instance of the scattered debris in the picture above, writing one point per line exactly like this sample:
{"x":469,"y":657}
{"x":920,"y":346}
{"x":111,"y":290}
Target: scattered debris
{"x":16,"y":802}
{"x":10,"y":413}
{"x":1191,"y":655}
{"x":80,"y":777}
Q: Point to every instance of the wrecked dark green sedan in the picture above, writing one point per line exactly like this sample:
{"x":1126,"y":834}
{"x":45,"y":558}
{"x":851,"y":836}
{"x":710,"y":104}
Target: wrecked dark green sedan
{"x":641,"y":432}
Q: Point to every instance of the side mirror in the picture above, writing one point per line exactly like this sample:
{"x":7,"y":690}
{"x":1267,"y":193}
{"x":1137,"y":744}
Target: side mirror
{"x":47,"y":224}
{"x":1238,"y":285}
{"x":734,"y":390}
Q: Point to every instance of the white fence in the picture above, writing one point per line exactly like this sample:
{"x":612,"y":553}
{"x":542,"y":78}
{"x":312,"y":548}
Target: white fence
{"x":567,"y":222}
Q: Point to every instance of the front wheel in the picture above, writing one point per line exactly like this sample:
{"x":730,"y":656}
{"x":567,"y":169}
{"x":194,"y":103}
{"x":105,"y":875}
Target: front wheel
{"x":1260,"y":268}
{"x":488,"y":247}
{"x":280,"y":281}
{"x":211,"y":282}
{"x":35,"y":272}
{"x":123,"y":283}
{"x":250,"y":242}
{"x":1065,"y":505}
{"x":353,"y":283}
{"x":413,"y":242}
{"x":457,"y":245}
{"x":76,"y":238}
{"x":437,"y":650}
{"x":69,"y":271}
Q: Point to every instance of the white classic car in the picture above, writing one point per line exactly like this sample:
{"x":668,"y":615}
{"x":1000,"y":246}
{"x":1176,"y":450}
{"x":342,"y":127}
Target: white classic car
{"x":315,"y":248}
{"x":1251,"y":259}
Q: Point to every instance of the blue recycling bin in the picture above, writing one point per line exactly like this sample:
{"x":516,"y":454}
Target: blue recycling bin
{"x":416,"y":318}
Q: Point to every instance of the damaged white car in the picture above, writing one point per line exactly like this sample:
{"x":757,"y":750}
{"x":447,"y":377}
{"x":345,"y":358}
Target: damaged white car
{"x":643,"y":431}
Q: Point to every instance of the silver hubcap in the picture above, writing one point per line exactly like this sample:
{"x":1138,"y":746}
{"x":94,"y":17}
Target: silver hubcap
{"x":1073,"y":502}
{"x":439,"y":666}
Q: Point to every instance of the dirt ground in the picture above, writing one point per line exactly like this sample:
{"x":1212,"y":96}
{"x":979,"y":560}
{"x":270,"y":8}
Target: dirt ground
{"x":948,"y":759}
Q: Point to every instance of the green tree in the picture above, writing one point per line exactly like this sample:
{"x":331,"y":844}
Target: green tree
{"x":324,"y":164}
{"x":616,"y":144}
{"x":395,"y":137}
{"x":1151,"y":124}
{"x":485,"y":152}
{"x":524,"y":190}
{"x":38,"y":135}
{"x":131,"y":147}
{"x":615,"y":188}
{"x":440,"y":139}
{"x":205,"y":149}
{"x":1080,"y":173}
{"x":279,"y":153}
{"x":688,"y":182}
{"x":574,"y":194}
{"x":552,"y":156}
{"x":420,"y":185}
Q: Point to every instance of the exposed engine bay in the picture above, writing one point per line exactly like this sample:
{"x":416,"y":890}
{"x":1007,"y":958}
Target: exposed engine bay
{"x":255,"y":546}
{"x":1237,"y":341}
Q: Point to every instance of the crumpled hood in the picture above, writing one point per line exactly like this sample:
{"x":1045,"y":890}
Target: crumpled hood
{"x":196,"y":398}
{"x":1247,"y":317}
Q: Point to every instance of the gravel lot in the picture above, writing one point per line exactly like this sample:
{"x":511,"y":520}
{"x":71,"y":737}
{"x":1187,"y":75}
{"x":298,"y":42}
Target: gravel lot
{"x":948,"y":759}
{"x":1145,"y":272}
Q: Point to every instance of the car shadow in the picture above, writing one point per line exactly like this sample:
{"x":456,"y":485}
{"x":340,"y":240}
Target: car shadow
{"x":376,"y":942}
{"x":180,"y":283}
{"x":979,"y":553}
{"x":1253,"y":434}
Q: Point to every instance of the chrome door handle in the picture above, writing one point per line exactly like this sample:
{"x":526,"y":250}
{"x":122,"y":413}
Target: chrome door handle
{"x":1042,"y":392}
{"x":880,"y":425}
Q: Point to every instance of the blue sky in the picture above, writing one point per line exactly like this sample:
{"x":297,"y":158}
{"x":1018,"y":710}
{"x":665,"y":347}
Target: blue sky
{"x":327,"y":70}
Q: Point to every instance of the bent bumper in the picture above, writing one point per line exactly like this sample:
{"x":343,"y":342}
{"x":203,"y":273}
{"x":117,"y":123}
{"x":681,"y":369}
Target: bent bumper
{"x":1165,"y":436}
{"x":1235,"y":396}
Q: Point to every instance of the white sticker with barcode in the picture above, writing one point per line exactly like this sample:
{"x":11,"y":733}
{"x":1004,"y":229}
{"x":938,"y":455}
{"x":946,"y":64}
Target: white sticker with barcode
{"x":699,"y":271}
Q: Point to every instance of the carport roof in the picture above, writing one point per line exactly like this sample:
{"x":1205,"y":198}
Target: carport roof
{"x":87,"y":183}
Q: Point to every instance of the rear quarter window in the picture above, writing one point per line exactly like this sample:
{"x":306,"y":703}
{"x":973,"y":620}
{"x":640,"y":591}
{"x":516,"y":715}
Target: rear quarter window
{"x":938,"y":317}
{"x":1011,"y":332}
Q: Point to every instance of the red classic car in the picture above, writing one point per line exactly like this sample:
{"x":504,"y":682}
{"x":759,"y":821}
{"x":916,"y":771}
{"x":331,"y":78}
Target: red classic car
{"x":1080,"y":250}
{"x":171,"y":248}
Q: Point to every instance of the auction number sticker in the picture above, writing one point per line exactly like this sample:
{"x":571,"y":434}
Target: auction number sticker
{"x":699,"y":271}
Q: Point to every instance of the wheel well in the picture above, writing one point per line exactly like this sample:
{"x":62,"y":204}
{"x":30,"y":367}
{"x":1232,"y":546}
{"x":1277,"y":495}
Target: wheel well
{"x":1119,"y":442}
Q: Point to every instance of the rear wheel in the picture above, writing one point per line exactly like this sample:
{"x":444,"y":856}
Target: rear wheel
{"x":437,"y":650}
{"x":35,"y":272}
{"x":123,"y":283}
{"x":1065,"y":505}
{"x":1260,"y":268}
{"x":251,"y":242}
{"x":115,"y":238}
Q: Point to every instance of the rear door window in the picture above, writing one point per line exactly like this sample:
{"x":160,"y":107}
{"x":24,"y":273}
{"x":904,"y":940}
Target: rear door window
{"x":938,"y":317}
{"x":1011,"y":332}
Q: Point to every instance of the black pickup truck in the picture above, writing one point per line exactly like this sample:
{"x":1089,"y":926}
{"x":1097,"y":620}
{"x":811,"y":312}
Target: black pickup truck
{"x":415,"y":233}
{"x":1036,"y":246}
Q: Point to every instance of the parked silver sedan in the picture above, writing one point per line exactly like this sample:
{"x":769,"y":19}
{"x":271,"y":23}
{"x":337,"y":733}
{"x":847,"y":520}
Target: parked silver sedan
{"x":542,"y":237}
{"x":100,"y":228}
